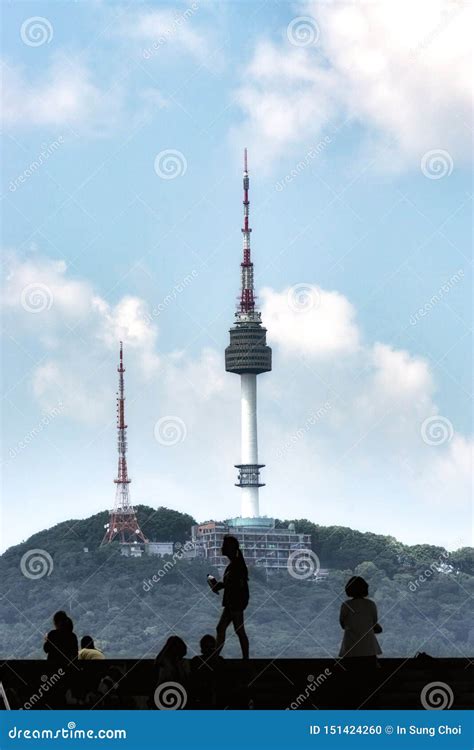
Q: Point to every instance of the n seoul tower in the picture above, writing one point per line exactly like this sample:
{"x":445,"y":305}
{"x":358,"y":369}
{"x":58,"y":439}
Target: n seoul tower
{"x":248,"y":355}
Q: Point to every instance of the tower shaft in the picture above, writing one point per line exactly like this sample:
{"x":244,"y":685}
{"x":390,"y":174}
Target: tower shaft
{"x":249,"y":442}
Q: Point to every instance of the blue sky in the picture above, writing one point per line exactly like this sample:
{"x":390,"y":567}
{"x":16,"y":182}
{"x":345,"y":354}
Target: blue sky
{"x":357,"y":120}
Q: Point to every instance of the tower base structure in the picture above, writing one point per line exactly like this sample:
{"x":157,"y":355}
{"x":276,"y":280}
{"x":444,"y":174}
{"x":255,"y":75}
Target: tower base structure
{"x":123,"y":527}
{"x":263,"y":543}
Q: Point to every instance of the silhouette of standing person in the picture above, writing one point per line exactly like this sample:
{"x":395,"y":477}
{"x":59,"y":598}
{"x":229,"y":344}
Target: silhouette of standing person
{"x":61,"y":644}
{"x":236,"y":595}
{"x":359,"y":620}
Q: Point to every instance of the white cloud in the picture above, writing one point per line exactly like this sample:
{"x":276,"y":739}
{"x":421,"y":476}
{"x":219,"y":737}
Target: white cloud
{"x":400,"y":69}
{"x":62,"y":94}
{"x":78,"y":329}
{"x":305,"y":319}
{"x":340,"y":419}
{"x":165,"y":28}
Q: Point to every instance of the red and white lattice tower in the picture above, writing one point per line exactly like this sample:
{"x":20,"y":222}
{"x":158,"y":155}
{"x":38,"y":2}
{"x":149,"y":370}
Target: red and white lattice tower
{"x":123,"y":522}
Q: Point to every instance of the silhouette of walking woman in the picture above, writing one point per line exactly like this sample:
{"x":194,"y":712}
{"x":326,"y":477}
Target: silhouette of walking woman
{"x":236,"y":595}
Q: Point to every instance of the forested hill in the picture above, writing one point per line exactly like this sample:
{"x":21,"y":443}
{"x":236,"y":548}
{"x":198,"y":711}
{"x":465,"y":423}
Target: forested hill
{"x":422,"y":593}
{"x":336,"y":546}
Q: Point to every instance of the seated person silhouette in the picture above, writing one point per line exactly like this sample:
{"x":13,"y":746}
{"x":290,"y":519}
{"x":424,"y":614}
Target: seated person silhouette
{"x":236,"y":594}
{"x":88,"y":650}
{"x":60,"y":644}
{"x":206,"y":674}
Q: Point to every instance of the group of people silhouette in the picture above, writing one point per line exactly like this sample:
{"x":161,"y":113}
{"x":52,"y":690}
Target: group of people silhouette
{"x":61,"y":644}
{"x":358,"y":619}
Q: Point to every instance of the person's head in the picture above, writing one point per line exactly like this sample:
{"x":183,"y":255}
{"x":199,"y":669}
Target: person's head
{"x":87,"y":642}
{"x":357,"y":588}
{"x":207,"y":644}
{"x":59,"y":618}
{"x":230,"y":546}
{"x":175,"y":648}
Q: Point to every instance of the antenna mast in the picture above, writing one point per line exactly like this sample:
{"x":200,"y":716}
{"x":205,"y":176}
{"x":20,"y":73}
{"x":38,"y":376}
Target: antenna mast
{"x":123,"y":521}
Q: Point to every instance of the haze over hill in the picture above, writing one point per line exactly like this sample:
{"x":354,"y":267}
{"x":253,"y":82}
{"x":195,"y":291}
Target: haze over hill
{"x":422,"y":593}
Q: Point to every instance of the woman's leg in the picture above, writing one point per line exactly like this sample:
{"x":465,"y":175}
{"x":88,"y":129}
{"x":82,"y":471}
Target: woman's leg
{"x":222,"y":626}
{"x":238,"y":620}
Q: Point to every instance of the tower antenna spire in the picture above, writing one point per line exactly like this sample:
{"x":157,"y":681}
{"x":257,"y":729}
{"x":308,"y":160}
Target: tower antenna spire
{"x":123,"y":521}
{"x":247,"y":296}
